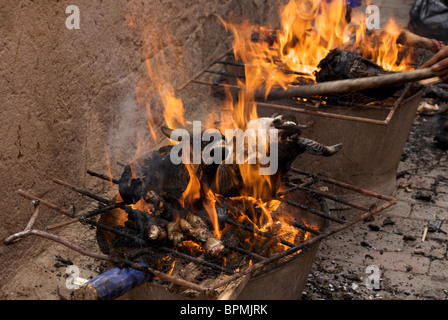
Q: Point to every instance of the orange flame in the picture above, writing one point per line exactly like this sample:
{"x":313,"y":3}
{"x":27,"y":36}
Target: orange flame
{"x":173,"y":107}
{"x":209,"y":205}
{"x":192,"y":191}
{"x":387,"y":51}
{"x":173,"y":116}
{"x":309,"y":30}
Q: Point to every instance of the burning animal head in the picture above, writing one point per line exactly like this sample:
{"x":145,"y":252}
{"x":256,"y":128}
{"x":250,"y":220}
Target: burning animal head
{"x":171,"y":203}
{"x":218,"y":164}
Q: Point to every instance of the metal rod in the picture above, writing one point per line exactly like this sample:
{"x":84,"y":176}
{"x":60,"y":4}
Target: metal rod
{"x":331,"y":197}
{"x":84,"y":216}
{"x":296,"y":186}
{"x":398,"y":102}
{"x":232,"y":63}
{"x":121,"y":164}
{"x":261,"y":233}
{"x":246,"y":252}
{"x":224,"y":73}
{"x":115,"y":231}
{"x":314,"y":211}
{"x":103,"y":176}
{"x":61,"y":224}
{"x":240,"y":64}
{"x":306,"y":228}
{"x":322,"y":114}
{"x":345,"y":104}
{"x":303,"y":245}
{"x":197,"y":261}
{"x":347,"y":186}
{"x":231,"y":86}
{"x":33,"y":218}
{"x":202,"y":71}
{"x":46,"y":203}
{"x":17,"y":236}
{"x":83,"y":192}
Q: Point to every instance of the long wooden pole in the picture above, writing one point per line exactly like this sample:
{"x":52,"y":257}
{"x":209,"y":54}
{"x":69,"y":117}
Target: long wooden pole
{"x":350,"y":85}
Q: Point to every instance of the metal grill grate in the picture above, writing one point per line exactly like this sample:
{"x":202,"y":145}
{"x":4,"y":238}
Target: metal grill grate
{"x":368,"y":203}
{"x":217,"y":77}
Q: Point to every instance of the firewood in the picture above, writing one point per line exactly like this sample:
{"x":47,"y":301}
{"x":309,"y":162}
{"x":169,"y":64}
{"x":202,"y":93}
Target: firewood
{"x":234,"y":288}
{"x":351,"y":85}
{"x":189,"y":272}
{"x":341,"y":64}
{"x":412,"y":40}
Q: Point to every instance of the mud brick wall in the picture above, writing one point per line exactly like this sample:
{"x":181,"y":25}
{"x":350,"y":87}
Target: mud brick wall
{"x":64,"y":93}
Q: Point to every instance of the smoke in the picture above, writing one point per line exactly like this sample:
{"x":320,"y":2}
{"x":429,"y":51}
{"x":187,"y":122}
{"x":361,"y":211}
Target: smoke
{"x":128,"y":135}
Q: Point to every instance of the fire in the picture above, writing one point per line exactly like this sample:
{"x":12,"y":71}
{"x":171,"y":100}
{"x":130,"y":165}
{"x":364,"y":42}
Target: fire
{"x":173,"y":107}
{"x":387,"y":54}
{"x":170,"y":271}
{"x":142,"y":205}
{"x":263,"y":221}
{"x":151,"y":124}
{"x":167,"y":260}
{"x":309,"y":30}
{"x":210,"y":206}
{"x":192,"y":246}
{"x":239,"y":114}
{"x":260,"y":67}
{"x":192,"y":192}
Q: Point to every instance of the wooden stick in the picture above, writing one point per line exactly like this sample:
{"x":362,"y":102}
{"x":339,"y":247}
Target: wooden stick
{"x":410,"y":39}
{"x":425,"y":232}
{"x":430,"y":81}
{"x":350,"y":85}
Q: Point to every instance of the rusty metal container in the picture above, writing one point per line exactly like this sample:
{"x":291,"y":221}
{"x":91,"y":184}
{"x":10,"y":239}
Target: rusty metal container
{"x":284,"y":282}
{"x":373,"y":139}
